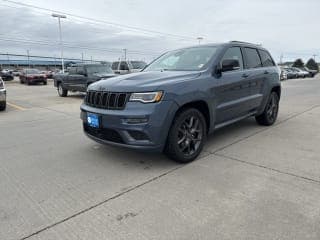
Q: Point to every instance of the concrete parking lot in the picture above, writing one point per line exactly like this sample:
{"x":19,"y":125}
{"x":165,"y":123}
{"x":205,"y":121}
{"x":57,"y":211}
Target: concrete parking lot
{"x":251,"y":182}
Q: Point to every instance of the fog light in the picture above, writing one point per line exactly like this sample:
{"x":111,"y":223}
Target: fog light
{"x":135,"y":120}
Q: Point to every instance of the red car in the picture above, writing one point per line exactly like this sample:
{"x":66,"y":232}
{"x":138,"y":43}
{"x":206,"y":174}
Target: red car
{"x":31,"y":76}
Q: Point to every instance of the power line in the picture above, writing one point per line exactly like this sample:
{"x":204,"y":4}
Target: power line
{"x":74,"y":46}
{"x":133,"y":28}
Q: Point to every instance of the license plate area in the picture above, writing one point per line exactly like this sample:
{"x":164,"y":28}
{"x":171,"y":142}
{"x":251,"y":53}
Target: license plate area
{"x":93,"y":120}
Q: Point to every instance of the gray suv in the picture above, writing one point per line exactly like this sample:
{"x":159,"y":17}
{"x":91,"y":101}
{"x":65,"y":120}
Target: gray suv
{"x":182,"y":96}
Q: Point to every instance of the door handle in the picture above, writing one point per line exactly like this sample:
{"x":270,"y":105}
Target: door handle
{"x":245,"y":75}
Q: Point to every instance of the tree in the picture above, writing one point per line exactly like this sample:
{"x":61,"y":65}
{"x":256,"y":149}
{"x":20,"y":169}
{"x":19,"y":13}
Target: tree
{"x":311,"y":64}
{"x":298,"y":63}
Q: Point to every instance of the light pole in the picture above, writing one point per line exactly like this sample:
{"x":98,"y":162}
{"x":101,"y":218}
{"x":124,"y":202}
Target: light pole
{"x":59,"y":16}
{"x":125,"y":54}
{"x":28,"y":58}
{"x":199,"y":39}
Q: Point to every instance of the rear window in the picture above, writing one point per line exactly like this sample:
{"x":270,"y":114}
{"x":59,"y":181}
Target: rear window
{"x":252,"y":58}
{"x":266,"y":59}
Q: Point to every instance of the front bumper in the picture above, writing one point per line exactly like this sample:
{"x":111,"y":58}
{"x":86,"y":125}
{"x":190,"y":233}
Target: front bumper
{"x":3,"y":94}
{"x":116,"y":129}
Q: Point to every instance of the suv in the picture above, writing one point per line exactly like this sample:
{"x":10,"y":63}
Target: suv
{"x":3,"y":93}
{"x":125,"y":67}
{"x":80,"y":76}
{"x":181,"y":97}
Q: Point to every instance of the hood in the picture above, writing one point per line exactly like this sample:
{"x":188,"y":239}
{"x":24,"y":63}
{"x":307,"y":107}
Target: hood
{"x":143,"y":81}
{"x":104,"y":75}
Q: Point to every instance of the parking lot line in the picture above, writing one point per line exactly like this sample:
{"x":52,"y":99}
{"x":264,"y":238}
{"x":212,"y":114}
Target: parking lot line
{"x":16,"y":106}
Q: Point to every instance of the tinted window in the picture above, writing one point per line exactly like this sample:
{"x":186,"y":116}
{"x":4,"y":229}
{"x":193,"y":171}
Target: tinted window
{"x":115,"y":65}
{"x":252,"y":58}
{"x":266,"y":59}
{"x":124,"y":66}
{"x":99,"y":69}
{"x":235,"y":54}
{"x":72,"y":70}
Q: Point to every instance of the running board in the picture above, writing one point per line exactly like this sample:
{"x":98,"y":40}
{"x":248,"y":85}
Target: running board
{"x":235,"y":120}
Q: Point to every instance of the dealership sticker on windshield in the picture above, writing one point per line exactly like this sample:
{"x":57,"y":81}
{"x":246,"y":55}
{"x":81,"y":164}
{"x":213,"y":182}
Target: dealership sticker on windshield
{"x":93,"y":120}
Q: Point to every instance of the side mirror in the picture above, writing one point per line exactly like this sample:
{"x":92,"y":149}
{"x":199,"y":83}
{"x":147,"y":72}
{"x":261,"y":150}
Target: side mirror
{"x":230,"y":65}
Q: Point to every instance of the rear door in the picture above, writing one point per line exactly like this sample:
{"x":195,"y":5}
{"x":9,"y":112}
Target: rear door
{"x":256,"y":74}
{"x":232,"y":89}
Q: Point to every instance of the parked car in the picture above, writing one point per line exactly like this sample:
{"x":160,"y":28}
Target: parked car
{"x":49,"y":74}
{"x":80,"y":76}
{"x":16,"y":73}
{"x":125,"y":67}
{"x":311,"y":72}
{"x":3,"y":94}
{"x":181,"y":97}
{"x":283,"y":75}
{"x":301,"y":73}
{"x":32,"y":76}
{"x":291,"y":73}
{"x":6,"y":75}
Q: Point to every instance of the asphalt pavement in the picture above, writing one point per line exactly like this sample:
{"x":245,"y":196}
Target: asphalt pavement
{"x":251,"y":182}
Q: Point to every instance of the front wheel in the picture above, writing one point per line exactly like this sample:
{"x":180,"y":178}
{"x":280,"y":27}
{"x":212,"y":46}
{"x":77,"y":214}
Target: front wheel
{"x":61,"y":91}
{"x":187,"y":136}
{"x":270,"y":113}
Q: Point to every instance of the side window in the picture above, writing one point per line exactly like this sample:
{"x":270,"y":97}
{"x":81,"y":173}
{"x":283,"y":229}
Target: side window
{"x":252,"y":58}
{"x":72,"y":70}
{"x":234,"y":53}
{"x":115,"y":65}
{"x":266,"y":59}
{"x":80,"y":70}
{"x":124,"y":66}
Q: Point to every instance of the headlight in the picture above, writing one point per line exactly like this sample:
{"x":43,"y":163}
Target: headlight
{"x":146,"y":97}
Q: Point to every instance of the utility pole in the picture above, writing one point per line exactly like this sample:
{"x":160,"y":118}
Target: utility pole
{"x":8,"y":59}
{"x":82,"y":57}
{"x":125,"y":54}
{"x":314,"y":57}
{"x":199,"y":39}
{"x":59,"y":16}
{"x":91,"y":59}
{"x":28,"y":55}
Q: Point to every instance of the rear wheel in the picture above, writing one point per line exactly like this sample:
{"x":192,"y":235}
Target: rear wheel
{"x":45,"y":83}
{"x":270,"y":113}
{"x":187,"y":136}
{"x":3,"y":106}
{"x":61,"y":91}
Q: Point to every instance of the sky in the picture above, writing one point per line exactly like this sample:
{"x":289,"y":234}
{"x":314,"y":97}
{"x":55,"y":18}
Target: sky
{"x":285,"y":27}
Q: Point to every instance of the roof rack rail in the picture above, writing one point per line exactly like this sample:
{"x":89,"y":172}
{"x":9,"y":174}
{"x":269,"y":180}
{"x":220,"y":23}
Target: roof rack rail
{"x":245,"y":43}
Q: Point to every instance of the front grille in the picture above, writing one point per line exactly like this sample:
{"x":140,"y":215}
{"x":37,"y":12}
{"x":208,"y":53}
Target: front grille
{"x":103,"y":133}
{"x":107,"y":100}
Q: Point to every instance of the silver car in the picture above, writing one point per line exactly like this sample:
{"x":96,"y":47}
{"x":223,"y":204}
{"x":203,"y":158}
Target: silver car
{"x":3,"y":94}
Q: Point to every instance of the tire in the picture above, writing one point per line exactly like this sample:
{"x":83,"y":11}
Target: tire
{"x":28,"y":82}
{"x":270,"y":113}
{"x":190,"y":129}
{"x":61,"y":91}
{"x":21,"y":81}
{"x":3,"y":106}
{"x":45,"y":83}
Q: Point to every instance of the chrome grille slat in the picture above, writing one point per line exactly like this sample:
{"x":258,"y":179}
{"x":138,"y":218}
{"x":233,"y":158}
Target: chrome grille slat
{"x":107,"y":100}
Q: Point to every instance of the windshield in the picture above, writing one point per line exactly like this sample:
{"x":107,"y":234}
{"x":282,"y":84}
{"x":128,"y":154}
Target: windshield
{"x":32,"y":71}
{"x":99,"y":69}
{"x":189,"y":59}
{"x":138,"y":64}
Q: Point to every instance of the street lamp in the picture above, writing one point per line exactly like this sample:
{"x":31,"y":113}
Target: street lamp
{"x":200,"y":39}
{"x":59,"y":16}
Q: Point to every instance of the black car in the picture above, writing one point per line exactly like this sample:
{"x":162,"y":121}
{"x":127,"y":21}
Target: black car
{"x":182,"y":96}
{"x":3,"y":94}
{"x":80,"y":76}
{"x":6,"y":75}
